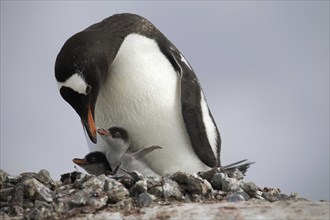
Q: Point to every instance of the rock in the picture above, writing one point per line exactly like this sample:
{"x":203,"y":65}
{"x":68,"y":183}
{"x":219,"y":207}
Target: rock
{"x":153,"y":181}
{"x":258,"y":195}
{"x":157,"y":191}
{"x":33,"y":189}
{"x":115,"y":190}
{"x":41,"y":210}
{"x":5,"y":194}
{"x":127,"y":180}
{"x":69,"y":178}
{"x":194,"y":198}
{"x":94,"y":197}
{"x":250,"y":188}
{"x":124,"y":204}
{"x":229,"y":184}
{"x":145,"y":199}
{"x":135,"y":175}
{"x":208,"y":175}
{"x":80,"y":197}
{"x":139,"y":187}
{"x":80,"y":179}
{"x":241,"y":192}
{"x":234,"y":197}
{"x":27,"y":204}
{"x":167,"y":189}
{"x":98,"y":199}
{"x":181,"y":177}
{"x":3,"y":177}
{"x":94,"y":182}
{"x":272,"y":194}
{"x":43,"y":176}
{"x":62,"y":192}
{"x":4,"y":207}
{"x":171,"y":190}
{"x":219,"y":195}
{"x":13,"y":179}
{"x":199,"y":186}
{"x":16,"y":202}
{"x":216,"y":181}
{"x":36,"y":196}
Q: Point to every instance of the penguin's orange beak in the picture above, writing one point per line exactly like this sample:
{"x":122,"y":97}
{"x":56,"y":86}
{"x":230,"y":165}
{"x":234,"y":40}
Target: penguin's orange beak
{"x":89,"y":125}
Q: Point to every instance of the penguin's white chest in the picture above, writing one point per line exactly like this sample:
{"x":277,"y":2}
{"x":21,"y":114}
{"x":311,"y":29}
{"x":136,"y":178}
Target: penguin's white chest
{"x":142,"y":95}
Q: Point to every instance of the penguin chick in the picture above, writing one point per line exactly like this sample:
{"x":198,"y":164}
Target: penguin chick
{"x":117,"y":144}
{"x":94,"y":163}
{"x":117,"y":152}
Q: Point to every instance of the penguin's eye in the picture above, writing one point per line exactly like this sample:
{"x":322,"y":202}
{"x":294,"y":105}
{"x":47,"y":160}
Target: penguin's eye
{"x":117,"y":134}
{"x":88,"y":89}
{"x":92,"y":160}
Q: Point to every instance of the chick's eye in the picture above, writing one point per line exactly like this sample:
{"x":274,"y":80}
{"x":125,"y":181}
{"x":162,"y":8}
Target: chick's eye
{"x":88,"y":89}
{"x":117,"y":134}
{"x":93,"y":159}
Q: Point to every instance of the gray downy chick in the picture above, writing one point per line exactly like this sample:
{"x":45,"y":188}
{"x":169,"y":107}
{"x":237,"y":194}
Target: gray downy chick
{"x":118,"y":154}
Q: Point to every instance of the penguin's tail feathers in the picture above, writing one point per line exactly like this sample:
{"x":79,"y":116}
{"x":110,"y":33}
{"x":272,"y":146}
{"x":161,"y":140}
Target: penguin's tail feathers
{"x":242,"y":165}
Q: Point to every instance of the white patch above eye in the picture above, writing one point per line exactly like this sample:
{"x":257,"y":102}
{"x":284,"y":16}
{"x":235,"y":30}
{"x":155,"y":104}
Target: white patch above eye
{"x":76,"y":82}
{"x":185,"y":61}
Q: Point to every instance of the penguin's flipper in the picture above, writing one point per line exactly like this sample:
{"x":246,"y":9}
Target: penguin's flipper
{"x":142,"y":153}
{"x":200,"y":125}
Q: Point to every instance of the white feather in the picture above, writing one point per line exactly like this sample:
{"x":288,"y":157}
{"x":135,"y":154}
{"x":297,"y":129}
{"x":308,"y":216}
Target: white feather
{"x":142,"y":94}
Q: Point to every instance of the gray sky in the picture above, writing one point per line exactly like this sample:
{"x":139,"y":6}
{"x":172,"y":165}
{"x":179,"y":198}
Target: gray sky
{"x":264,"y":67}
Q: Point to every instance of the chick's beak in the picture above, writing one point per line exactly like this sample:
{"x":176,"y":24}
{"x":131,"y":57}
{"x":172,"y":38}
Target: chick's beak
{"x":102,"y":131}
{"x":89,"y":125}
{"x":80,"y":162}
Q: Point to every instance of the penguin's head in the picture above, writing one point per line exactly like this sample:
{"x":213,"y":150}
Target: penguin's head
{"x":94,"y":163}
{"x":116,"y":137}
{"x":95,"y":157}
{"x":78,"y":72}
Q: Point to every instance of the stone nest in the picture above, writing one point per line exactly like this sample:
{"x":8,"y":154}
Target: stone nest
{"x":37,"y":196}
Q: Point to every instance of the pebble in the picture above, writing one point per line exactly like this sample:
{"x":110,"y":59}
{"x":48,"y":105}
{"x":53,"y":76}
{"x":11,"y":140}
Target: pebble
{"x":199,"y":186}
{"x":250,"y":188}
{"x":3,"y":177}
{"x":229,"y":184}
{"x":145,"y":199}
{"x":241,"y":192}
{"x":43,"y":176}
{"x":235,"y":197}
{"x":181,"y":177}
{"x":139,"y":187}
{"x":35,"y":189}
{"x":115,"y":190}
{"x":216,"y":180}
{"x":94,"y":182}
{"x":171,"y":190}
{"x":37,"y":196}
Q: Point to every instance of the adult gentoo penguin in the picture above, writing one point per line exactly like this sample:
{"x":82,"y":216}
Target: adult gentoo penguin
{"x":124,"y":72}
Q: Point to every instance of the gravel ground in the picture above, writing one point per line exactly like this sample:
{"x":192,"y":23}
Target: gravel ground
{"x":253,"y":209}
{"x":220,"y":193}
